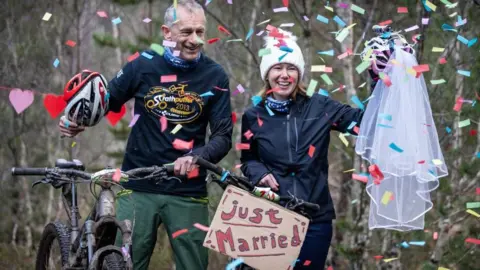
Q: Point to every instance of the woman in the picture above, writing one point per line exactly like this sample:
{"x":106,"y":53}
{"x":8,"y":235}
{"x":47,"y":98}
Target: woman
{"x":289,"y":146}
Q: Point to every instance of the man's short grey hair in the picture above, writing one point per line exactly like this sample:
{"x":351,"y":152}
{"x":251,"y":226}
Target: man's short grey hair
{"x":190,"y":5}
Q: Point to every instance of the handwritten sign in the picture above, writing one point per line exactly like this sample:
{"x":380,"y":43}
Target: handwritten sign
{"x":264,"y":234}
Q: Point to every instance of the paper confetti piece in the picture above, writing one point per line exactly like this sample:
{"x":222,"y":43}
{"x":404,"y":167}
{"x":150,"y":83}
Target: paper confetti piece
{"x":266,"y":21}
{"x":443,"y":268}
{"x":470,"y":211}
{"x":358,"y":9}
{"x":342,"y":35}
{"x":287,"y":25}
{"x":249,"y":34}
{"x":73,"y":144}
{"x":305,"y":18}
{"x":329,"y":9}
{"x":359,"y":177}
{"x":322,"y":19}
{"x":323,"y":92}
{"x":362,"y":67}
{"x":389,"y":260}
{"x":343,"y":139}
{"x":176,"y":129}
{"x":326,"y":79}
{"x":47,"y":16}
{"x":437,"y":162}
{"x":248,"y":134}
{"x":163,"y":123}
{"x":240,"y":88}
{"x":387,"y":22}
{"x":425,"y":21}
{"x":116,"y":20}
{"x":56,"y":62}
{"x":117,"y":175}
{"x":71,"y":43}
{"x":435,"y":82}
{"x":147,"y":55}
{"x":464,"y":123}
{"x":402,"y":10}
{"x":179,"y":232}
{"x":270,"y":112}
{"x":417,"y":243}
{"x":307,"y":263}
{"x":473,"y":205}
{"x":446,"y":2}
{"x":396,"y":148}
{"x":478,"y":191}
{"x":339,"y":21}
{"x":352,"y":124}
{"x":311,"y":151}
{"x":430,"y":5}
{"x":169,"y":43}
{"x":242,"y":146}
{"x":472,"y":42}
{"x":421,"y":68}
{"x":201,"y":227}
{"x":442,"y":60}
{"x":351,"y":170}
{"x":357,"y":102}
{"x":415,"y":27}
{"x":329,"y":52}
{"x":256,"y":100}
{"x":259,"y":121}
{"x":234,"y":264}
{"x":462,"y":39}
{"x":464,"y":72}
{"x":168,"y":78}
{"x":281,"y":9}
{"x":102,"y":14}
{"x":147,"y":20}
{"x":473,"y":241}
{"x":182,"y":145}
{"x":311,"y":87}
{"x":133,"y":57}
{"x":435,"y":235}
{"x":193,"y":173}
{"x":318,"y":68}
{"x":134,"y":120}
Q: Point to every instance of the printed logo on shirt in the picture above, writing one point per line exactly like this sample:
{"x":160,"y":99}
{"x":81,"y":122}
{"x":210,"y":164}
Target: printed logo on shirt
{"x":177,"y":105}
{"x":120,"y":73}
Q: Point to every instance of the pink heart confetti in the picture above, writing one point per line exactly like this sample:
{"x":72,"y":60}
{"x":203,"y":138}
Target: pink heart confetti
{"x":20,"y":99}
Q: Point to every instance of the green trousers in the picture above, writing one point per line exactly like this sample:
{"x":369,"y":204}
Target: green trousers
{"x":176,"y":213}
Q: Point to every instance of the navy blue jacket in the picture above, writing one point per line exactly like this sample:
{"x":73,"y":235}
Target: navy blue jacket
{"x":281,"y":144}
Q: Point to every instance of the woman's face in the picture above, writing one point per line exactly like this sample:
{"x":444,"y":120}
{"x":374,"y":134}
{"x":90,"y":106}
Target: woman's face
{"x":283,"y":78}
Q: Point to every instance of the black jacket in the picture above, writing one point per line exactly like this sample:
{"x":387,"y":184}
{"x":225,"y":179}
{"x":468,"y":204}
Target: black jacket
{"x":281,"y":146}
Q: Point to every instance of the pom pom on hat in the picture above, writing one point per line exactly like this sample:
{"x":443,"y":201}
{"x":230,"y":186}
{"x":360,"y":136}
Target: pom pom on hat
{"x":283,"y":49}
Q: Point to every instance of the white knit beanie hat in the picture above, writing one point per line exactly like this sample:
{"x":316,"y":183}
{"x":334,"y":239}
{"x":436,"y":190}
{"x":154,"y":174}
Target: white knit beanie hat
{"x":295,"y":57}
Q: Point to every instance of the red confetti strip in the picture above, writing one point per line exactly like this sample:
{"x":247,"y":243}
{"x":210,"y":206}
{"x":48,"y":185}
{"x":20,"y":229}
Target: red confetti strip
{"x":271,"y":28}
{"x":311,"y":151}
{"x":242,"y":146}
{"x":285,"y":3}
{"x":248,"y":134}
{"x":378,"y":257}
{"x":193,"y":173}
{"x":223,"y":29}
{"x":276,"y":89}
{"x":163,"y":123}
{"x":478,"y":191}
{"x":361,"y":178}
{"x":179,"y":232}
{"x":356,"y":129}
{"x":213,"y":40}
{"x":71,"y":43}
{"x":458,"y":104}
{"x":473,"y":132}
{"x":201,"y":227}
{"x":402,"y":10}
{"x":234,"y":117}
{"x":133,"y":57}
{"x":168,"y":78}
{"x":421,"y":162}
{"x":117,"y":175}
{"x":385,"y":22}
{"x":259,"y":120}
{"x":307,"y":263}
{"x":182,"y":145}
{"x":221,"y":89}
{"x":330,"y":268}
{"x":442,"y":60}
{"x":473,"y":241}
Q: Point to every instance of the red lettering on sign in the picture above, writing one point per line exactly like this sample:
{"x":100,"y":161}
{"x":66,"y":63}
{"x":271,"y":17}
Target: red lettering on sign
{"x":255,"y":242}
{"x":243,"y":215}
{"x":228,"y":216}
{"x":263,"y":239}
{"x":258,"y":216}
{"x":274,"y":243}
{"x":296,"y":237}
{"x":243,"y":245}
{"x":281,"y":241}
{"x":271,"y":213}
{"x":224,"y":237}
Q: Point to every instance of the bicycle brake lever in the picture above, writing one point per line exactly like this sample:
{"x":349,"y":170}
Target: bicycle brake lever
{"x":43,"y":181}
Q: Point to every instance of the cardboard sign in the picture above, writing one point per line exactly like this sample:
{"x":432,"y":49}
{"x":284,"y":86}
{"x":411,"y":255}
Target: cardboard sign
{"x":264,"y":234}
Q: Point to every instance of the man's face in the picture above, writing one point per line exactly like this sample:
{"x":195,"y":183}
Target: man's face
{"x":188,"y":32}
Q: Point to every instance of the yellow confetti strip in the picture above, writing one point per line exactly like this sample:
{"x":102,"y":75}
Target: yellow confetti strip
{"x":350,"y":26}
{"x":329,"y":8}
{"x":176,"y":129}
{"x":437,"y":49}
{"x":470,"y":211}
{"x":343,"y":139}
{"x":318,"y":68}
{"x":437,"y":162}
{"x":74,"y":143}
{"x":442,"y":268}
{"x":386,"y":197}
{"x":453,"y":14}
{"x":411,"y":71}
{"x":47,"y":16}
{"x":430,"y":5}
{"x":389,"y":260}
{"x":351,"y":170}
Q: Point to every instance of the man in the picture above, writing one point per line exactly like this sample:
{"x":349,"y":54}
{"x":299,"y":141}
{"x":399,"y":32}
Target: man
{"x":199,"y":96}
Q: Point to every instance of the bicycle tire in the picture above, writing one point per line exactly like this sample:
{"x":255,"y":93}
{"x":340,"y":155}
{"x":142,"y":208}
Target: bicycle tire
{"x":53,"y":232}
{"x":113,"y":261}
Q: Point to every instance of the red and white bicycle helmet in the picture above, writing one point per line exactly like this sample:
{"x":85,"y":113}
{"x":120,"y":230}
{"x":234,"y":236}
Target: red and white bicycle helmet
{"x":87,"y":98}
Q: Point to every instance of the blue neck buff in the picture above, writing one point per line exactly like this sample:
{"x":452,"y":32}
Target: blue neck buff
{"x":179,"y":62}
{"x":282,"y":106}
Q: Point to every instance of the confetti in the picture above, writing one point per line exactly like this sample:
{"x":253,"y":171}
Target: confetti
{"x":147,"y":20}
{"x":322,"y":19}
{"x":212,"y":40}
{"x":326,"y":79}
{"x":176,"y":129}
{"x":201,"y":227}
{"x":415,"y":27}
{"x":256,"y":100}
{"x":470,"y":211}
{"x":462,"y":39}
{"x":430,"y":5}
{"x":311,"y":151}
{"x":323,"y":92}
{"x":473,"y":205}
{"x":133,"y":57}
{"x":147,"y":55}
{"x":163,"y":123}
{"x":442,"y":60}
{"x":343,"y":139}
{"x":240,"y":88}
{"x":359,"y":177}
{"x":389,"y":260}
{"x":242,"y":146}
{"x":342,"y":35}
{"x":358,"y":9}
{"x":56,"y":62}
{"x":417,"y":243}
{"x":193,"y":173}
{"x":73,"y":144}
{"x":437,"y":162}
{"x":473,"y":241}
{"x":168,"y":43}
{"x":425,"y":21}
{"x":71,"y":43}
{"x":362,"y":67}
{"x":134,"y":120}
{"x":307,"y":263}
{"x":477,"y":191}
{"x":357,"y":102}
{"x":329,"y":52}
{"x":117,"y":175}
{"x":472,"y":42}
{"x":47,"y":16}
{"x":116,"y":20}
{"x":287,"y":25}
{"x":168,"y":78}
{"x":249,"y":34}
{"x":318,"y":68}
{"x":435,"y":235}
{"x":395,"y":147}
{"x":266,"y":21}
{"x":179,"y":232}
{"x":224,"y":30}
{"x":263,"y":52}
{"x":259,"y":121}
{"x":20,"y":99}
{"x":311,"y":87}
{"x":102,"y":14}
{"x":206,"y":94}
{"x":248,"y":134}
{"x":464,"y":72}
{"x":437,"y":49}
{"x":339,"y":21}
{"x":402,"y":10}
{"x":387,"y":22}
{"x":182,"y":145}
{"x":305,"y":18}
{"x":281,"y":9}
{"x":464,"y":123}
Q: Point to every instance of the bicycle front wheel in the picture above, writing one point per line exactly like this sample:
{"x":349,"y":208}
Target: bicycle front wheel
{"x":113,"y":261}
{"x":54,"y":247}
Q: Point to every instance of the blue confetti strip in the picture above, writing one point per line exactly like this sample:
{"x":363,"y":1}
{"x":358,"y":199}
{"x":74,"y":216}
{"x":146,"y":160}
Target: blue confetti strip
{"x":357,"y":102}
{"x":478,"y":155}
{"x":235,"y":263}
{"x":249,"y":34}
{"x":224,"y":175}
{"x":322,"y":19}
{"x":146,"y":55}
{"x":339,"y":21}
{"x":404,"y":245}
{"x":286,"y":49}
{"x":449,"y":130}
{"x":385,"y":116}
{"x":417,"y":243}
{"x":117,"y":20}
{"x":209,"y":93}
{"x":330,"y":52}
{"x":269,"y":111}
{"x":56,"y":62}
{"x":447,"y":27}
{"x":352,"y":124}
{"x":396,"y":148}
{"x":256,"y":100}
{"x":472,"y":42}
{"x":281,"y":57}
{"x":385,"y":126}
{"x":464,"y":72}
{"x":462,"y":39}
{"x":323,"y":92}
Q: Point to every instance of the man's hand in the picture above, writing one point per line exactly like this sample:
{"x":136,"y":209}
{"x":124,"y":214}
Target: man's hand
{"x":68,"y":128}
{"x":184,"y":165}
{"x":270,"y":181}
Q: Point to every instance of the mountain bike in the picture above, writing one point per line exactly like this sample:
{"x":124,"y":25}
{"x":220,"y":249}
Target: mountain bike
{"x":91,"y":246}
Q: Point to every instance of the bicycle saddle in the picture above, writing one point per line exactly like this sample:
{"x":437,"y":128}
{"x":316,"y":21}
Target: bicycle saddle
{"x":65,"y":164}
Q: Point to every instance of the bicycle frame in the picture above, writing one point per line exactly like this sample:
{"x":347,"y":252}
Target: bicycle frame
{"x":91,"y":236}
